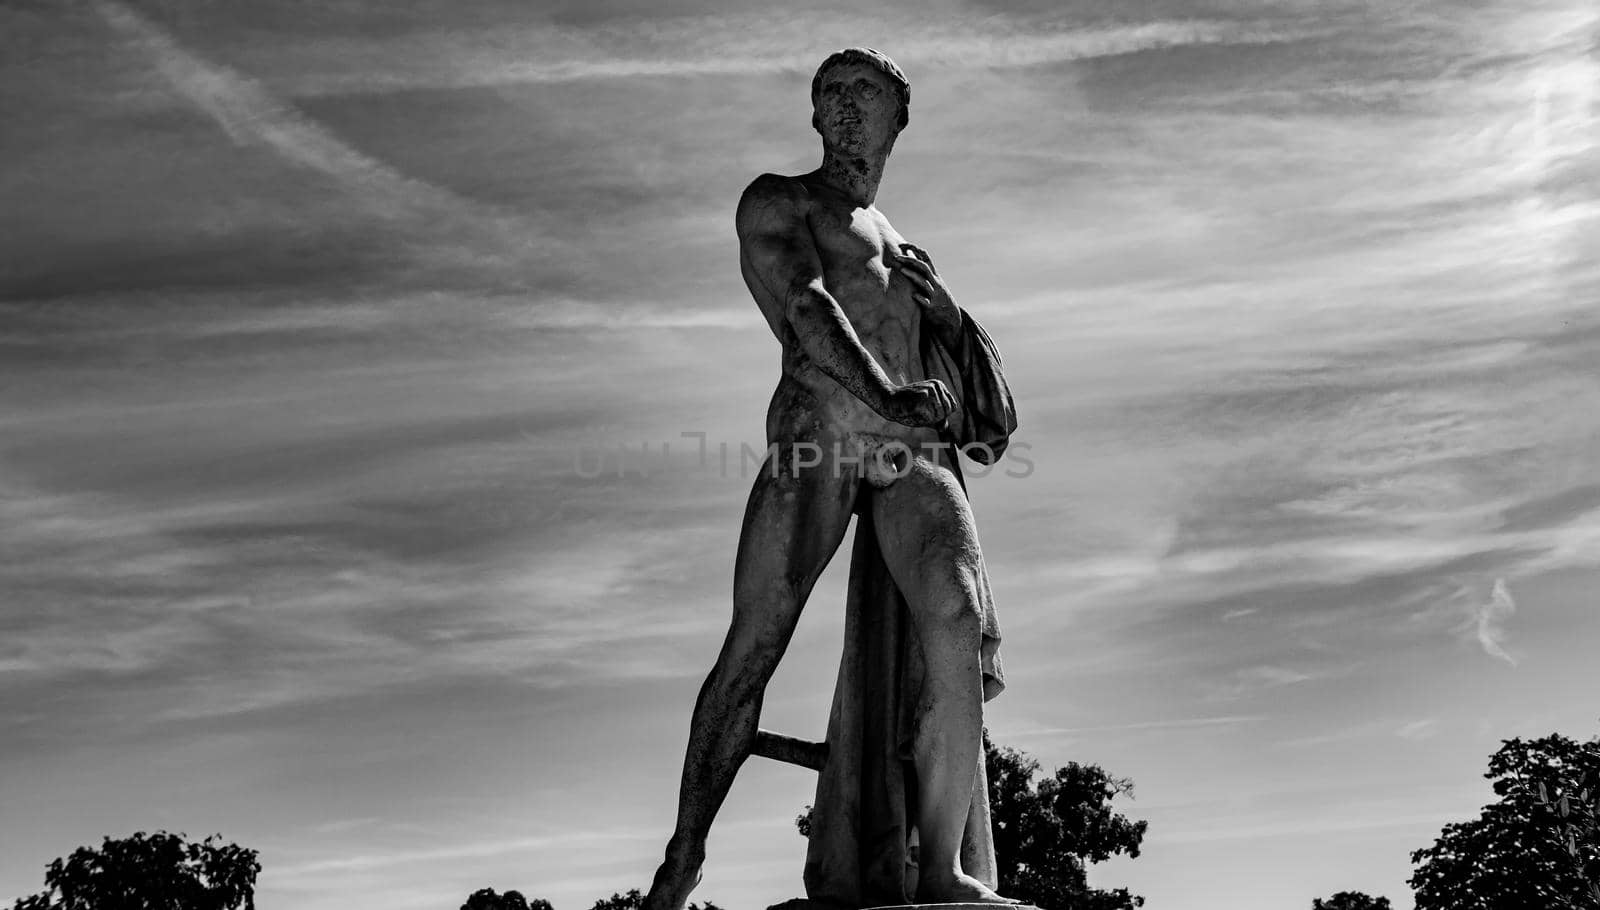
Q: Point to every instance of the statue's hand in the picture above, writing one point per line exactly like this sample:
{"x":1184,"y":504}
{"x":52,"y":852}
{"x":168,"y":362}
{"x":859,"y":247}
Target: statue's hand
{"x":925,"y":403}
{"x":927,"y":288}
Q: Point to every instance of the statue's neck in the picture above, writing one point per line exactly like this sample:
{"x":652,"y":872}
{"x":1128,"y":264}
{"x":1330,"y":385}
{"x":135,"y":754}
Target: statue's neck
{"x":856,"y":177}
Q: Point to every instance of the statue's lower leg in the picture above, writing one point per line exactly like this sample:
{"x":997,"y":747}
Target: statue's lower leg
{"x":678,"y":874}
{"x":949,"y":744}
{"x":722,"y":733}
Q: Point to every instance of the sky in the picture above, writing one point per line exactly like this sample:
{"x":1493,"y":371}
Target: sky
{"x":356,"y":357}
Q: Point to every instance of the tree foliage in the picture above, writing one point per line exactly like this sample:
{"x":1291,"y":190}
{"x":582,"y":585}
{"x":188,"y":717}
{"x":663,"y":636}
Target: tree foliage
{"x":1574,"y":808}
{"x":489,"y":899}
{"x":157,"y":871}
{"x":1518,"y":853}
{"x":1351,"y":900}
{"x":633,"y":900}
{"x":1047,"y":829}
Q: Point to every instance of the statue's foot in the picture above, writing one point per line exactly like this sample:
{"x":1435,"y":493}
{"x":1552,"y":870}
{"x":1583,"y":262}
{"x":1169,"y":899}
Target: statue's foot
{"x":678,"y":875}
{"x":958,"y":889}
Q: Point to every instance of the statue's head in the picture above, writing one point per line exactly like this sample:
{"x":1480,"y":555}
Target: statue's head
{"x":859,"y":100}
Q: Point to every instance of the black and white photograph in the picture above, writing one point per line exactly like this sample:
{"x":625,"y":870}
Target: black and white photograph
{"x":703,"y":455}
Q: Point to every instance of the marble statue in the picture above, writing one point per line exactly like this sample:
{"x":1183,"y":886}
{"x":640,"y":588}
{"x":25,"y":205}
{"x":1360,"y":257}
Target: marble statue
{"x":884,"y":378}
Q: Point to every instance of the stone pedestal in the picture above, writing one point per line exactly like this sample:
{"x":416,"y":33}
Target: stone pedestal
{"x":804,"y":904}
{"x":957,"y":907}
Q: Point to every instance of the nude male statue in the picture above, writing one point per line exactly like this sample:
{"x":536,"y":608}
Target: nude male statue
{"x":846,"y":297}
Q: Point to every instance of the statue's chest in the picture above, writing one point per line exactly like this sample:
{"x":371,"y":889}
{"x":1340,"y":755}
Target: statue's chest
{"x":855,"y":246}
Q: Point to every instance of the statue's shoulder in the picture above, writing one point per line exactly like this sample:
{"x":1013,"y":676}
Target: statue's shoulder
{"x":772,"y":198}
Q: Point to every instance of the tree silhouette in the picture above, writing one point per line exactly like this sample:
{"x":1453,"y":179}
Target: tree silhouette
{"x":157,"y":871}
{"x":1574,"y":808}
{"x":633,"y":900}
{"x":1351,"y":900}
{"x":1519,"y":853}
{"x":1046,"y":830}
{"x":489,"y":899}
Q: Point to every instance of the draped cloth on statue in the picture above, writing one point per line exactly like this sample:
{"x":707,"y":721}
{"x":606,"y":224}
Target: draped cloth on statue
{"x":865,"y":808}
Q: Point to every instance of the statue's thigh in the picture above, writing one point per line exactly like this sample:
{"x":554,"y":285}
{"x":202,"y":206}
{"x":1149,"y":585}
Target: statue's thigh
{"x":929,"y":540}
{"x":793,"y":524}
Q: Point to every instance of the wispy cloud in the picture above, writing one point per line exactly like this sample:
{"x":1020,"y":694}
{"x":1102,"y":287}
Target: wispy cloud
{"x":740,"y":42}
{"x":1299,"y":828}
{"x":249,"y":114}
{"x":477,"y":850}
{"x":491,"y":240}
{"x":1419,"y":730}
{"x":1148,"y":725}
{"x":1491,"y":619}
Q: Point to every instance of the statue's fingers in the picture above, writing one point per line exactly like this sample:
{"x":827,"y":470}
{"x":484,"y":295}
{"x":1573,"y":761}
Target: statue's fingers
{"x":911,"y":265}
{"x":937,"y":404}
{"x":921,"y":254}
{"x":917,"y":278}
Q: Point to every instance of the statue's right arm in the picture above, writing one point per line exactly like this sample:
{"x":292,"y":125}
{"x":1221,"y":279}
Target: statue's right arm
{"x":776,"y":243}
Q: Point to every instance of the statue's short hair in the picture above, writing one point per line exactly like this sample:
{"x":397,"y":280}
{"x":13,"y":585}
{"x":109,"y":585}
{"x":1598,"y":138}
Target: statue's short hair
{"x":876,"y":59}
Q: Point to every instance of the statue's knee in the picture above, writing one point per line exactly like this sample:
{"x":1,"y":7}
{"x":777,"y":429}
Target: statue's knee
{"x":740,"y":678}
{"x":953,"y":609}
{"x":751,"y":655}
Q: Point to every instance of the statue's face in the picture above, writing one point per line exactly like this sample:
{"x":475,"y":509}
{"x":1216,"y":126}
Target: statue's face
{"x":857,"y":110}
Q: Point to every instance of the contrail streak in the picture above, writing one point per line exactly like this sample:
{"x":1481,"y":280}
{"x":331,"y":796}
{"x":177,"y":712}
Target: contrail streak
{"x":251,"y":116}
